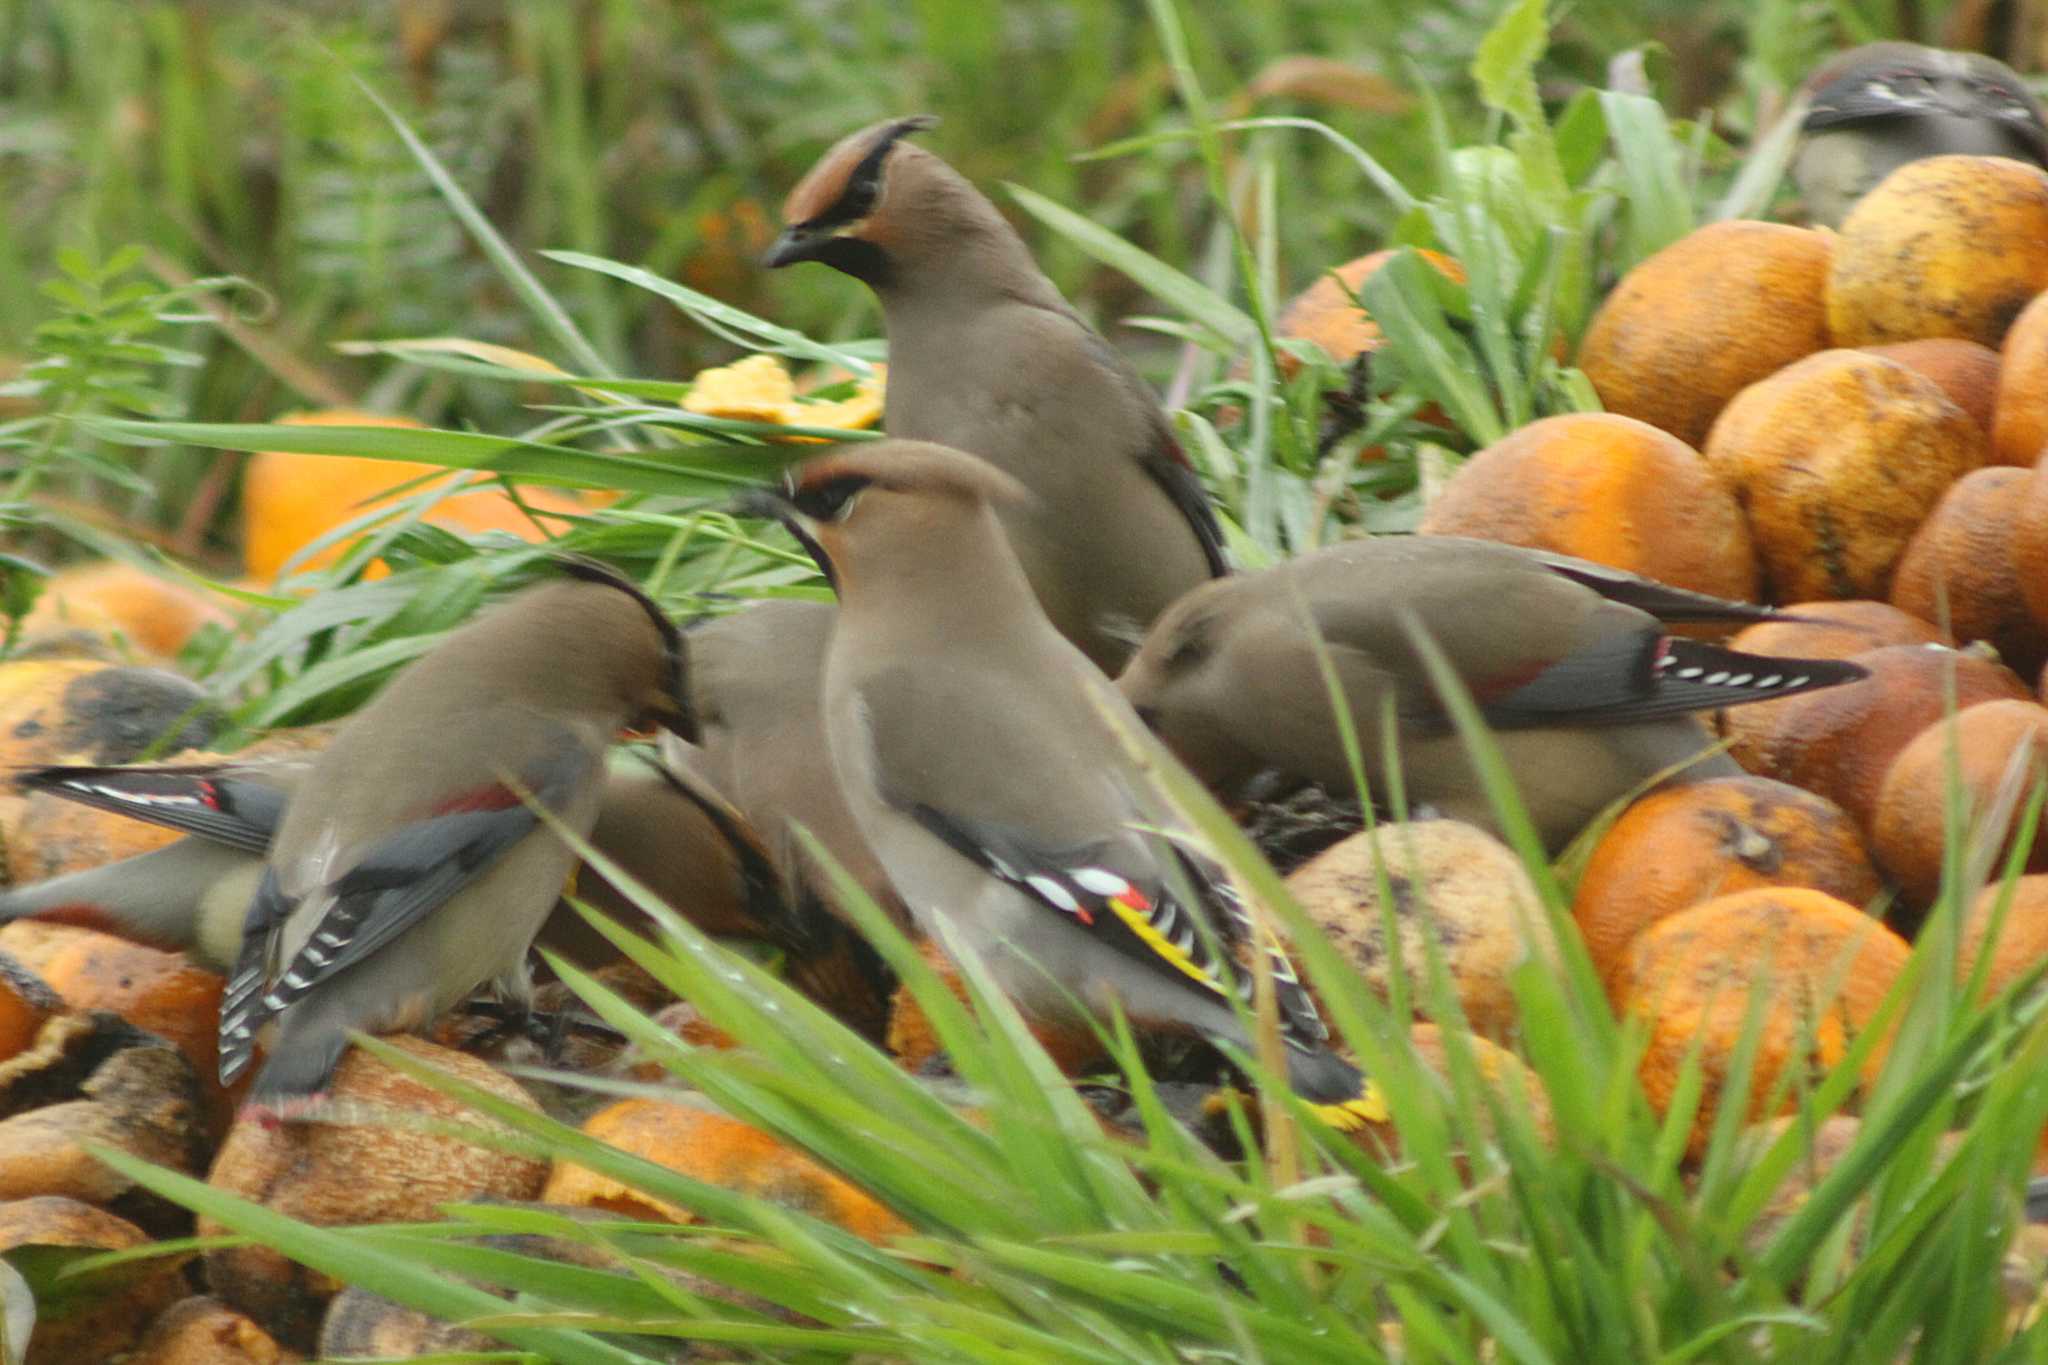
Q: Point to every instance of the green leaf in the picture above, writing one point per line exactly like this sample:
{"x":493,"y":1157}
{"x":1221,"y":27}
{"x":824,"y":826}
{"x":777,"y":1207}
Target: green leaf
{"x":535,"y":461}
{"x":1652,"y":170}
{"x":530,"y":291}
{"x":1229,"y":328}
{"x":736,"y":324}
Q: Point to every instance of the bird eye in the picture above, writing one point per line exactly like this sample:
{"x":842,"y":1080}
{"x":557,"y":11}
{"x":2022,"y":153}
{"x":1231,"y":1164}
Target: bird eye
{"x":830,"y":500}
{"x":1188,"y":652}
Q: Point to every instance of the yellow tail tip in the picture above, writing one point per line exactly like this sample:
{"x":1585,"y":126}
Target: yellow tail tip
{"x":1346,"y":1116}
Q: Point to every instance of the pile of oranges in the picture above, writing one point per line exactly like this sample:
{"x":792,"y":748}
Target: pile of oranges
{"x":1851,"y":426}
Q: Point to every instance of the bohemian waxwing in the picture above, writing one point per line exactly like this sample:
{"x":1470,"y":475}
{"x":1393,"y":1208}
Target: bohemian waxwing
{"x":671,"y":835}
{"x":754,"y":688}
{"x":978,"y":752}
{"x":1568,"y":661}
{"x":410,"y":868}
{"x":985,"y":356}
{"x":1874,"y":108}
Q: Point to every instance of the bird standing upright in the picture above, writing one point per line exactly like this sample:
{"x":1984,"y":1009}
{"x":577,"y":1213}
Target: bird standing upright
{"x":976,"y":749}
{"x":1568,"y":661}
{"x":410,"y":867}
{"x":986,"y":357}
{"x":1874,"y":108}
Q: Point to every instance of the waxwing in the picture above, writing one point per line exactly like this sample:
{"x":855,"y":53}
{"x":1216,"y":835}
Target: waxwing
{"x":672,"y":835}
{"x":754,"y":688}
{"x":1874,"y":108}
{"x":985,"y":356}
{"x":980,"y":754}
{"x":1569,"y":662}
{"x":410,"y":866}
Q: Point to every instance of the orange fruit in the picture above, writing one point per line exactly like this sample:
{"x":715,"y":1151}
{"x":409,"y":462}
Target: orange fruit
{"x":1822,"y":966}
{"x":86,"y":711}
{"x":1690,"y":843}
{"x":1967,"y":371}
{"x":2019,"y":422}
{"x":1815,"y":630}
{"x":1451,"y":882}
{"x":1946,"y":246}
{"x":26,"y":1000}
{"x":2030,"y":543}
{"x":1709,"y":315}
{"x":1837,"y":459}
{"x":1840,"y":741}
{"x":2022,"y":936}
{"x":289,"y":501}
{"x":1609,"y":489}
{"x":1327,"y":314}
{"x":708,"y":1146}
{"x":1907,"y":832}
{"x":153,"y":613}
{"x":98,"y":1317}
{"x":204,"y":1331}
{"x":911,"y":1041}
{"x":1835,"y":630}
{"x":160,"y":992}
{"x":369,"y":1158}
{"x":1959,"y":567}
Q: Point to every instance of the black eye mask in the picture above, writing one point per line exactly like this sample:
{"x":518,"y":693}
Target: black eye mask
{"x":828,"y":500}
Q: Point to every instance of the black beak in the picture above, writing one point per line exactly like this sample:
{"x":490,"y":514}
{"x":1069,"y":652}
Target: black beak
{"x":797,"y":243}
{"x":773,"y":505}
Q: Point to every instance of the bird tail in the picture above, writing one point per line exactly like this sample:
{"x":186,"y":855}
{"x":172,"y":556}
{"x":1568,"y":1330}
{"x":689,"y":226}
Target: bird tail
{"x":1337,"y":1092}
{"x":297,"y":1071}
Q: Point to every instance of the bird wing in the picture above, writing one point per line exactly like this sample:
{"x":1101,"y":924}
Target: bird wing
{"x":1164,"y":462}
{"x":392,"y":886}
{"x":1170,"y":468}
{"x":240,"y":805}
{"x":1660,"y":600}
{"x":255,"y":967}
{"x":1082,"y":860}
{"x":1625,"y":679}
{"x":1136,"y":913}
{"x":676,"y":763}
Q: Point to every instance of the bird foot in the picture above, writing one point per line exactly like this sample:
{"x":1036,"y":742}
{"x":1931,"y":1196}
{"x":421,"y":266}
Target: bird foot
{"x":270,"y":1117}
{"x":548,"y":1030}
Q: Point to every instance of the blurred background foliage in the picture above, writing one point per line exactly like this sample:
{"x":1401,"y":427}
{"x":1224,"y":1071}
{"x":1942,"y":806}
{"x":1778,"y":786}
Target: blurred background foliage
{"x":229,"y":139}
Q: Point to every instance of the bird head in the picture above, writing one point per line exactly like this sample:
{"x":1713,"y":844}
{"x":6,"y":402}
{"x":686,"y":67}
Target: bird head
{"x":656,"y":680}
{"x":1183,"y":689}
{"x":889,"y":502}
{"x":1891,"y":80}
{"x":840,"y":212}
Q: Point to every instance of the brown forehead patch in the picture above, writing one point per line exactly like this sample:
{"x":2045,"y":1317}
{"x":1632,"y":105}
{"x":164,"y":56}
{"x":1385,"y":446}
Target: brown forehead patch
{"x":826,"y":183}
